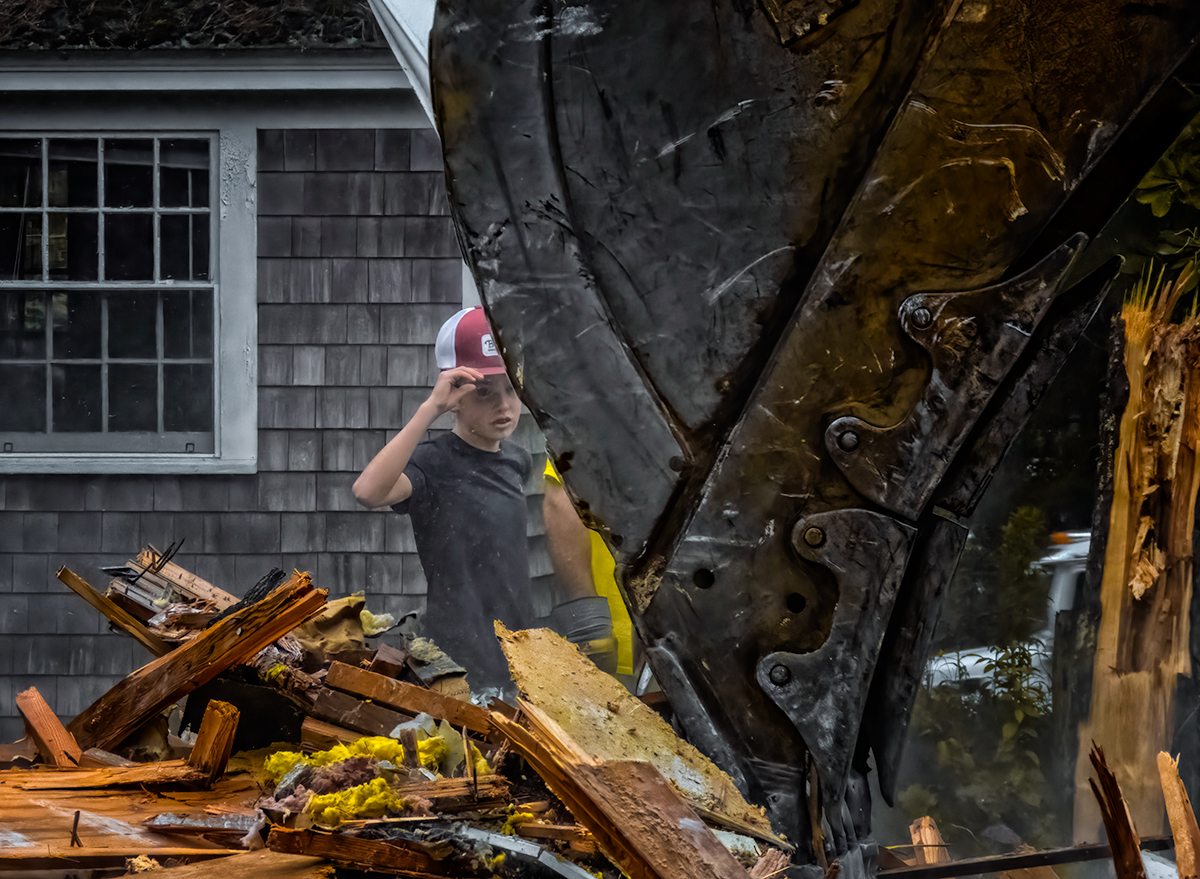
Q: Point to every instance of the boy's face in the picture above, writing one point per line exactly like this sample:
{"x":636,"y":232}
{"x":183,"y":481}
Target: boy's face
{"x":491,"y":411}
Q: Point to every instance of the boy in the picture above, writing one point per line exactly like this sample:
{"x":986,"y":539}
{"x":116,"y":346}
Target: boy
{"x":465,"y":494}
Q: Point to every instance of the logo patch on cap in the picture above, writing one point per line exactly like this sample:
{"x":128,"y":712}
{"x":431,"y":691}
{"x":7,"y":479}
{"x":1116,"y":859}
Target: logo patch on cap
{"x":489,"y":345}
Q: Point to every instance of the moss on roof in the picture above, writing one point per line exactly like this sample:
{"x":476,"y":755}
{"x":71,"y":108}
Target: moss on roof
{"x":187,"y":24}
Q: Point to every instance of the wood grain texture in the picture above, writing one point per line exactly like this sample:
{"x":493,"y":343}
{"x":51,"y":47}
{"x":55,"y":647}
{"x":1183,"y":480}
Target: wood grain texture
{"x":53,"y":742}
{"x":214,"y":741}
{"x":1181,"y":816}
{"x":367,"y":718}
{"x":363,"y":854}
{"x":233,"y":640}
{"x":265,"y":864}
{"x":61,"y":857}
{"x":407,"y":697}
{"x":637,"y":818}
{"x":116,"y":615}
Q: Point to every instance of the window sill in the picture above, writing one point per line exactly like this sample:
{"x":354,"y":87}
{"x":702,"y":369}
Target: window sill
{"x":12,"y":463}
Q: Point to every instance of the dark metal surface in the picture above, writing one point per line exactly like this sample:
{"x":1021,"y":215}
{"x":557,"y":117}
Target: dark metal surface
{"x":752,"y":267}
{"x":823,"y":692}
{"x":973,"y":339}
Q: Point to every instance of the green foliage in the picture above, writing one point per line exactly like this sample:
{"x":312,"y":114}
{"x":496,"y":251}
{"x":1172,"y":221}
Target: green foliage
{"x":1023,"y":592}
{"x":1176,"y":178}
{"x":984,"y":750}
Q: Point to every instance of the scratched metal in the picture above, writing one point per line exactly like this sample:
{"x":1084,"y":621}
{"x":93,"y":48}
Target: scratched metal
{"x":739,"y":214}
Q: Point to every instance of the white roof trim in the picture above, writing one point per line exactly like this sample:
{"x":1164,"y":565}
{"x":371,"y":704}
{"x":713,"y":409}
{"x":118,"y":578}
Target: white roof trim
{"x":196,"y":70}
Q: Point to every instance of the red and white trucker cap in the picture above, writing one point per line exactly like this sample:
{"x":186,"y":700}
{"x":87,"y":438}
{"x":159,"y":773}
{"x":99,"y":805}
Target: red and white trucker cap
{"x":466,"y":340}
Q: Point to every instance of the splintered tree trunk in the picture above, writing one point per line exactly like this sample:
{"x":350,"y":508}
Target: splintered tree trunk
{"x":1146,"y":589}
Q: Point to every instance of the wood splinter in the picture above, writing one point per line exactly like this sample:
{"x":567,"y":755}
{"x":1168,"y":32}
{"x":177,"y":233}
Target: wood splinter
{"x":54,"y":743}
{"x":214,"y":741}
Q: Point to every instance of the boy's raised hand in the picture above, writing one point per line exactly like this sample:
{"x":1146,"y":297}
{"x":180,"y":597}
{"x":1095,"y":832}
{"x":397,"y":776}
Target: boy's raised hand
{"x":452,"y":385}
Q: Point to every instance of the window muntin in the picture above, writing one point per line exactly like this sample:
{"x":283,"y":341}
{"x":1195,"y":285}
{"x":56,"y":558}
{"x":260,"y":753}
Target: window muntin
{"x":107,"y":309}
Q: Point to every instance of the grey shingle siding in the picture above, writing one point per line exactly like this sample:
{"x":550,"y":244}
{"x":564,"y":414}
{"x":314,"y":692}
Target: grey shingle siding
{"x":357,"y":269}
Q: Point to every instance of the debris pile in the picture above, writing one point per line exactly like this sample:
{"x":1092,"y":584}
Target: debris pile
{"x":315,"y":746}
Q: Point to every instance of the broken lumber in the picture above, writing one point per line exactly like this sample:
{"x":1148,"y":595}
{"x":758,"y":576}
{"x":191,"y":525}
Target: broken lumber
{"x":318,"y":735}
{"x":62,"y":857}
{"x":637,"y":818}
{"x":1142,"y":640}
{"x":1118,"y":823}
{"x":1180,"y":816}
{"x":459,"y":794}
{"x":118,"y":616}
{"x":163,"y":772}
{"x":391,"y":856}
{"x":407,"y":698}
{"x":346,"y":711}
{"x":264,"y":864}
{"x":608,"y":723}
{"x":576,"y":838}
{"x":233,"y":640}
{"x":186,"y":584}
{"x":771,"y":864}
{"x":389,"y":661}
{"x":214,"y":741}
{"x":45,"y":730}
{"x":928,"y":845}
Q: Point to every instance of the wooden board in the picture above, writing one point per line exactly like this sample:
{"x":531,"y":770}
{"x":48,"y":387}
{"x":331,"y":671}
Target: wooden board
{"x":363,"y":854}
{"x":63,"y":857}
{"x":116,"y":615}
{"x":1180,"y":816}
{"x":233,"y":640}
{"x":319,"y":735}
{"x":607,"y":722}
{"x":459,"y":794}
{"x":110,"y":818}
{"x":346,"y":711}
{"x":192,"y":586}
{"x":164,"y":772}
{"x":214,"y":741}
{"x":640,"y":821}
{"x":56,"y":746}
{"x":264,"y":864}
{"x":406,"y":697}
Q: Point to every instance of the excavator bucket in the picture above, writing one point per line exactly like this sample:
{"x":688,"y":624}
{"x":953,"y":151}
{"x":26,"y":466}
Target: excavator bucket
{"x":780,"y":281}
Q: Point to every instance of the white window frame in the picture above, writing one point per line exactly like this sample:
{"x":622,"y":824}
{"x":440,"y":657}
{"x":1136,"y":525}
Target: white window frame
{"x":233,"y":277}
{"x":234,"y":94}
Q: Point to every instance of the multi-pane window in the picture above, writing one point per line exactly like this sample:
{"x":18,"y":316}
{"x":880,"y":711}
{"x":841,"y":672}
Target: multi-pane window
{"x":106,"y":293}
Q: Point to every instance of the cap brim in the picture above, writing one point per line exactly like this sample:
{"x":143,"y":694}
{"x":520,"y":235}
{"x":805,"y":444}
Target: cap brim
{"x":491,"y":370}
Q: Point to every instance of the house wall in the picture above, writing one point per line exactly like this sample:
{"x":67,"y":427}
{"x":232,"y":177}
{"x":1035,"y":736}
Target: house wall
{"x":358,"y":266}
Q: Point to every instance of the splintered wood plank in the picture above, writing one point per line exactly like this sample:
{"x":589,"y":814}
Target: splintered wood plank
{"x":318,"y":735}
{"x":600,"y":715}
{"x":928,"y":845}
{"x":1123,"y":837}
{"x":62,"y":857}
{"x":636,"y":816}
{"x":459,"y":794}
{"x":233,"y":640}
{"x":406,"y":697}
{"x":264,"y":864}
{"x":169,"y":772}
{"x":389,"y":661}
{"x":346,"y":711}
{"x":191,"y":585}
{"x":53,"y":742}
{"x":110,"y":817}
{"x":1181,"y":816}
{"x":361,"y":854}
{"x":214,"y":741}
{"x":118,"y":616}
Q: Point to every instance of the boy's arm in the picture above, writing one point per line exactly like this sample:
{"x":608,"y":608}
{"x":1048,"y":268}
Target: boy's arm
{"x":382,"y":482}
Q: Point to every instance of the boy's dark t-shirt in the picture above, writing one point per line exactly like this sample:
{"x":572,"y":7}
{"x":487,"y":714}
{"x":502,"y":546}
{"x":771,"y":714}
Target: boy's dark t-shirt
{"x":468,"y":513}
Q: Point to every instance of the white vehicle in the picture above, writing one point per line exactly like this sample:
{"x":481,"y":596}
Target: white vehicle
{"x":1066,"y":564}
